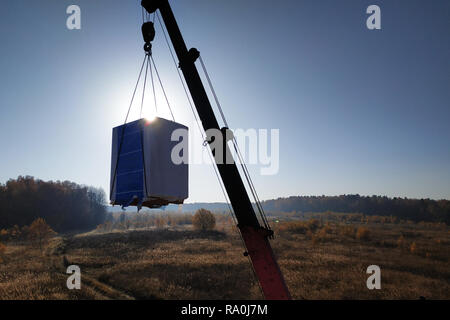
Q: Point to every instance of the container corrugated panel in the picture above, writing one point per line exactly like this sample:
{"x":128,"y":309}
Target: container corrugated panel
{"x":142,"y":171}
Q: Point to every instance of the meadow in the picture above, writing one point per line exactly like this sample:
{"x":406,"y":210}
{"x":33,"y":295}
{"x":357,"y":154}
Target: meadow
{"x":320,"y":257}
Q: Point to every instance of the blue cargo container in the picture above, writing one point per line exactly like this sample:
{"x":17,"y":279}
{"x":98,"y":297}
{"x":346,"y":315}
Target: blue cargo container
{"x":142,"y":170}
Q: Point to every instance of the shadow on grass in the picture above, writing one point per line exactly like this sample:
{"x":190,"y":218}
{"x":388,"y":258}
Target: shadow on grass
{"x":162,"y":281}
{"x":139,"y":238}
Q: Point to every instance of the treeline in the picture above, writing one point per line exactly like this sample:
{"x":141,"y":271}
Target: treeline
{"x":149,"y":220}
{"x":65,"y":206}
{"x":403,"y":208}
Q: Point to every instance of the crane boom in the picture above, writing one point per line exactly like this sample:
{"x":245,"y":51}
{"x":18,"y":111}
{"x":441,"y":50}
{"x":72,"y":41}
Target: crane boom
{"x":256,"y":237}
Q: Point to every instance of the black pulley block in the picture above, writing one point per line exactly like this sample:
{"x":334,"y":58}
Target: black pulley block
{"x":150,"y":5}
{"x":148,"y":32}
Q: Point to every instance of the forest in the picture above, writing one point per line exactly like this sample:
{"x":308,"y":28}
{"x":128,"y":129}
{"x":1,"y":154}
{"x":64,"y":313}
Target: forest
{"x":403,"y":208}
{"x":65,"y":206}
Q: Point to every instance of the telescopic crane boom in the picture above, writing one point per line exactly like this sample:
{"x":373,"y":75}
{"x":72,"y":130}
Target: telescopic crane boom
{"x":256,"y":237}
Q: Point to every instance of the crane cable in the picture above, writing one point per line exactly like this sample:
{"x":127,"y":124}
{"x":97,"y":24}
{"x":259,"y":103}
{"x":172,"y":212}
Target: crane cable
{"x":153,"y":89}
{"x":162,"y":87}
{"x":145,"y":82}
{"x":125,"y":122}
{"x":237,"y":149}
{"x":197,"y":120}
{"x":150,"y":57}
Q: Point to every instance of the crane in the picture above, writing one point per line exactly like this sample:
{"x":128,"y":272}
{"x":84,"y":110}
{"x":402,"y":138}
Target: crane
{"x":255,"y":236}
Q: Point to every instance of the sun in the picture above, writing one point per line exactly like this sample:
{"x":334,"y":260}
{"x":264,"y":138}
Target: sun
{"x":149,"y":115}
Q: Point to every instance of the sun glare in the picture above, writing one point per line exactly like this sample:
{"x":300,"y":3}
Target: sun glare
{"x":150,"y":119}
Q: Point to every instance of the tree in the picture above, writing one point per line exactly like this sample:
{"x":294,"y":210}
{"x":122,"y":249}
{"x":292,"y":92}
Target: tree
{"x":363,"y":234}
{"x":40,"y":232}
{"x":160,"y":222}
{"x":204,"y":220}
{"x":4,"y":234}
{"x":15,"y":232}
{"x":2,"y":251}
{"x":413,"y":247}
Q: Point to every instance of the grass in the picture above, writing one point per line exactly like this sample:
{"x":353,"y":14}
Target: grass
{"x":319,"y":261}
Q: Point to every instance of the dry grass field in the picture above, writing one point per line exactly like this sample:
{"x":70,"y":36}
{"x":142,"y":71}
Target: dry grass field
{"x":319,"y":260}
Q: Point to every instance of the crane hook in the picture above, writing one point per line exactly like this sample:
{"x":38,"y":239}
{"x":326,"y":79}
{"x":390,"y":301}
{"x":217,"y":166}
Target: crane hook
{"x":148,"y":33}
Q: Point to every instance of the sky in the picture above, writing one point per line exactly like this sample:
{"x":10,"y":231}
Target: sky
{"x":358,"y":110}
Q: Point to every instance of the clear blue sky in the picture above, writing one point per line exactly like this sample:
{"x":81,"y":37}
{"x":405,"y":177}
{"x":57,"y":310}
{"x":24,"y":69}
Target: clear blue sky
{"x":359,"y":111}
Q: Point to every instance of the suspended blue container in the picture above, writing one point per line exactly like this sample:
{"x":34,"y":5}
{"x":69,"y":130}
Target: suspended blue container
{"x":142,"y":171}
